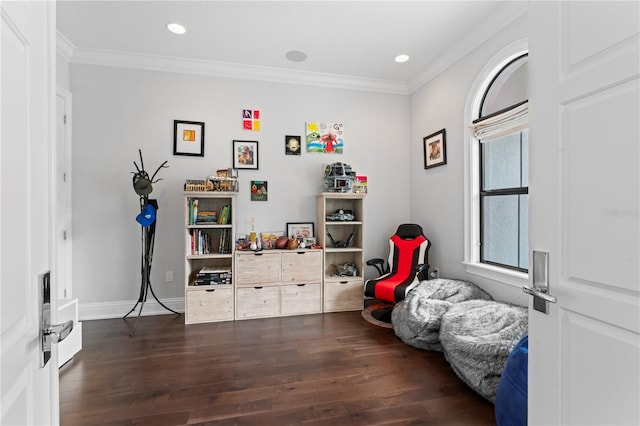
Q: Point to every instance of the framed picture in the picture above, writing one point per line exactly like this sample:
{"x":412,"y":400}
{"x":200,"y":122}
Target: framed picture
{"x":435,"y":149}
{"x":245,"y":155}
{"x":300,"y":230}
{"x":259,"y":190}
{"x":292,"y":145}
{"x":188,"y":138}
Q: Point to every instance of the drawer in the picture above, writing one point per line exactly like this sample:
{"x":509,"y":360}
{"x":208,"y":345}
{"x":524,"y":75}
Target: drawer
{"x":347,"y":295}
{"x":298,"y":299}
{"x":302,"y":266}
{"x":257,"y":268}
{"x":211,"y":304}
{"x":257,"y":302}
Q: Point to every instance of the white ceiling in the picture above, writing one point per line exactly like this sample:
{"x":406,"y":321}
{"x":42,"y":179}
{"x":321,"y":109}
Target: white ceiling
{"x":342,"y":38}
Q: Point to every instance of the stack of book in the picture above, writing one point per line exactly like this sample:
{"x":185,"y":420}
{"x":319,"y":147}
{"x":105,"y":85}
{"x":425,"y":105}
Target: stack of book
{"x":206,"y":218}
{"x":213,"y":276}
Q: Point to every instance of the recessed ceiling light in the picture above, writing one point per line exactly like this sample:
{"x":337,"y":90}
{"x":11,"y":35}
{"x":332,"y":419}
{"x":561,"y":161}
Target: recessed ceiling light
{"x":402,"y":58}
{"x":296,"y":56}
{"x":176,"y":28}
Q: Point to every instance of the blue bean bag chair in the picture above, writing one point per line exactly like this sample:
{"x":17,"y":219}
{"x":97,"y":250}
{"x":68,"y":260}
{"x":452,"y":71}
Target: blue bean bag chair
{"x":511,"y":397}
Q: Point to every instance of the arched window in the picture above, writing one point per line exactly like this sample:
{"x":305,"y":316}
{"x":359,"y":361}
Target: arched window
{"x":496,"y":169}
{"x":501,"y":130}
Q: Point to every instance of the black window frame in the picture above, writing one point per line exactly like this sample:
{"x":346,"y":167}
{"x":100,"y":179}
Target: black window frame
{"x":522,"y":190}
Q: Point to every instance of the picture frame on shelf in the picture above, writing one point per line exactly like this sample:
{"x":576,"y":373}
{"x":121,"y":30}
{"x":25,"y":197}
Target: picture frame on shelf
{"x":435,"y":149}
{"x":300,"y":230}
{"x":245,"y":155}
{"x":188,"y":138}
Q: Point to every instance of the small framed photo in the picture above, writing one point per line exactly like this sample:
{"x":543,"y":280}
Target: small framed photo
{"x":435,"y":149}
{"x":245,"y":155}
{"x":292,"y":145}
{"x":259,"y":190}
{"x":300,"y":230}
{"x":188,"y":138}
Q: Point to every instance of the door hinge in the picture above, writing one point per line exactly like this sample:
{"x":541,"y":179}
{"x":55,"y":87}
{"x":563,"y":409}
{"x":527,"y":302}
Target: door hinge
{"x":64,"y":235}
{"x":64,"y":119}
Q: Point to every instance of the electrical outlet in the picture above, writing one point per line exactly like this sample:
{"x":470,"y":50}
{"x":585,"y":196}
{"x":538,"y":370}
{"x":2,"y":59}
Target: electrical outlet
{"x":169,"y":276}
{"x":435,"y":273}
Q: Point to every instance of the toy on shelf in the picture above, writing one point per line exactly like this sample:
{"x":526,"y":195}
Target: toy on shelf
{"x":339,"y":177}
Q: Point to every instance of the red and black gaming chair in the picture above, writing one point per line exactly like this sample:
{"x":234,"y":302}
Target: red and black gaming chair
{"x":408,"y":264}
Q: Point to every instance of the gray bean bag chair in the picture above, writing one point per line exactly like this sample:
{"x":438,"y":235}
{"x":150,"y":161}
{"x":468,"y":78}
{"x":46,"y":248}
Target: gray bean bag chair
{"x":416,"y":319}
{"x":477,"y":337}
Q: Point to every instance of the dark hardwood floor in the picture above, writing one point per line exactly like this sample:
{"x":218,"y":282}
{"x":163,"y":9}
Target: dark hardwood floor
{"x":331,"y":369}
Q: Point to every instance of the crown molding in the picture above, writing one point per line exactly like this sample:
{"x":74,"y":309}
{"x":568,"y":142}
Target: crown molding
{"x":236,"y":71}
{"x":503,"y":16}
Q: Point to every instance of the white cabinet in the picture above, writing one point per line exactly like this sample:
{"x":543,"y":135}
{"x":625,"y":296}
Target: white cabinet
{"x":209,"y":247}
{"x":272,"y":283}
{"x":340,"y":232}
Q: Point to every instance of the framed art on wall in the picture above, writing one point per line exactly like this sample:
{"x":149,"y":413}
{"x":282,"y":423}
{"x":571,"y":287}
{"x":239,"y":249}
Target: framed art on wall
{"x":292,"y":145}
{"x":259,"y":190}
{"x":188,"y":138}
{"x":435,"y":149}
{"x":245,"y":155}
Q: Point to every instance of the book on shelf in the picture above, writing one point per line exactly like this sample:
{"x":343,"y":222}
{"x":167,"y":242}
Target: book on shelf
{"x":193,"y":211}
{"x":199,"y":242}
{"x":207,"y":217}
{"x":225,"y":215}
{"x":212,"y":276}
{"x":224,"y":243}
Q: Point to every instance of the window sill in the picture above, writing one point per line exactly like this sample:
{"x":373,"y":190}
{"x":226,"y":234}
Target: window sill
{"x":506,"y":276}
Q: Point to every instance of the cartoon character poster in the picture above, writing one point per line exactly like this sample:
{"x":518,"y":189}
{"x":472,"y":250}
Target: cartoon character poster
{"x":259,"y":190}
{"x":325,"y":137}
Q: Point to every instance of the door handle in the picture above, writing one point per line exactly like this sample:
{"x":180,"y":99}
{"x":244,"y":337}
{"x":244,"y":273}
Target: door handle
{"x":540,"y":288}
{"x":536,"y":293}
{"x":49,"y":334}
{"x":60,"y":331}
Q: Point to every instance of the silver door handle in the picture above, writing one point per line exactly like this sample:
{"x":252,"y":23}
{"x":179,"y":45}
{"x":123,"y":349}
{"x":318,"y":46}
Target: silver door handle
{"x":61,"y":331}
{"x":540,"y":285}
{"x":541,"y":295}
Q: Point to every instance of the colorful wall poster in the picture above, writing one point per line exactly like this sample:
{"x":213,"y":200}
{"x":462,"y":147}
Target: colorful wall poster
{"x":327,"y":138}
{"x":259,"y":190}
{"x":251,"y":119}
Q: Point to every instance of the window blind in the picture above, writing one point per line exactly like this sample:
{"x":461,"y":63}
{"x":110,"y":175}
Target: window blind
{"x":501,"y":123}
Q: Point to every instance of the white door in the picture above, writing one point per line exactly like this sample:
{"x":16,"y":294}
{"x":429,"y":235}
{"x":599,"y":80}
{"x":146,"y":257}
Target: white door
{"x":584,"y":355}
{"x":28,"y":393}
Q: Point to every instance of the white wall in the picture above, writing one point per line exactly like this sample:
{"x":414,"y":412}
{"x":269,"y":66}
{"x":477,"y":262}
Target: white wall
{"x":437,"y":194}
{"x":116,"y":111}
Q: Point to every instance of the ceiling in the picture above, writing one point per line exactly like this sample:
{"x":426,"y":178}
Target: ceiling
{"x":358,"y":39}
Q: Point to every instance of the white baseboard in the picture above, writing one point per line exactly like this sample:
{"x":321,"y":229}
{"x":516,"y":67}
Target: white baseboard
{"x":94,"y":311}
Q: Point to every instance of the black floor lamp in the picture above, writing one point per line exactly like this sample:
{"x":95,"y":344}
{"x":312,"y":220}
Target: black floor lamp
{"x":147,"y":218}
